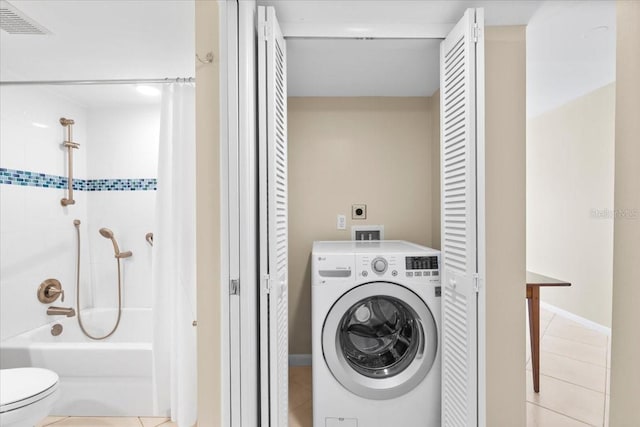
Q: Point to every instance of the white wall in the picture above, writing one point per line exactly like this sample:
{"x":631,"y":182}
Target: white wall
{"x":123,"y":143}
{"x":570,"y":170}
{"x":37,"y":236}
{"x":37,"y":239}
{"x":570,"y":136}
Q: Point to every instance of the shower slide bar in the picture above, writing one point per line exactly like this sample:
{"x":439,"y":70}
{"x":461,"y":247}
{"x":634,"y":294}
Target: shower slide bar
{"x":69,"y":145}
{"x":100,"y":82}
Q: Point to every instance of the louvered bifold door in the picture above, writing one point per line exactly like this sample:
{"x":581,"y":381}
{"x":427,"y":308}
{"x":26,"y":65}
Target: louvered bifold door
{"x":272,"y":116}
{"x":459,"y":230}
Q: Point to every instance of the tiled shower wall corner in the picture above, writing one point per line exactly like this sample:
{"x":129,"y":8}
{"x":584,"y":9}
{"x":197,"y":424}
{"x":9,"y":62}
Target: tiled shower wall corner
{"x":37,"y":237}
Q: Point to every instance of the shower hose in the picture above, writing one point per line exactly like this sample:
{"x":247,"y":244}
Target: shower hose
{"x":84,"y":331}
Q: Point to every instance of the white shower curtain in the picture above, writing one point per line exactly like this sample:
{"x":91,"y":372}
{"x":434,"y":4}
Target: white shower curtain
{"x":173,"y":261}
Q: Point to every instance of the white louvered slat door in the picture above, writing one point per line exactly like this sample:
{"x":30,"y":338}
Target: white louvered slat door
{"x":272,"y":113}
{"x":459,"y":224}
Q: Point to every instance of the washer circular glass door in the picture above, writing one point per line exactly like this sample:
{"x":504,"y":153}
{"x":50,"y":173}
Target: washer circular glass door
{"x":379,"y":340}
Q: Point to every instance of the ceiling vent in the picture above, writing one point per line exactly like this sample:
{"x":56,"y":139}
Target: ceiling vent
{"x":13,"y":21}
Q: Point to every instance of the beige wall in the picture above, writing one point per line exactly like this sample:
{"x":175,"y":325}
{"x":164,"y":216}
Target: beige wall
{"x":435,"y":170}
{"x":505,"y":225}
{"x":208,"y":217}
{"x":570,"y":170}
{"x":625,"y":352}
{"x":345,"y":151}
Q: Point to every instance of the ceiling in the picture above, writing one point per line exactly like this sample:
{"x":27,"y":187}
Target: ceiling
{"x":363,"y":18}
{"x":570,"y":45}
{"x":352,"y":67}
{"x":349,"y":64}
{"x":102,"y":39}
{"x":567,"y":55}
{"x":571,"y":51}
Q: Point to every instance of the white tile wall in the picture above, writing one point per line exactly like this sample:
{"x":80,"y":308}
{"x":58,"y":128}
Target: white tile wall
{"x":123,"y":142}
{"x":28,"y":147}
{"x":130,"y":215}
{"x":36,"y":232}
{"x":36,"y":243}
{"x":37,"y":236}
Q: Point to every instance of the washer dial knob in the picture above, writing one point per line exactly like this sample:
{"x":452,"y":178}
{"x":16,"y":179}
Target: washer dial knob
{"x":379,"y":265}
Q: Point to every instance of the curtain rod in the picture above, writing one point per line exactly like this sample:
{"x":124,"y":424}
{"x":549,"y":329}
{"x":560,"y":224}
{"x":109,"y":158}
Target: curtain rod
{"x":99,"y":82}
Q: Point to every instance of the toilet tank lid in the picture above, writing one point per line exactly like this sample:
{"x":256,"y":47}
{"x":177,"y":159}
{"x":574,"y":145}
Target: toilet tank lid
{"x":23,"y":383}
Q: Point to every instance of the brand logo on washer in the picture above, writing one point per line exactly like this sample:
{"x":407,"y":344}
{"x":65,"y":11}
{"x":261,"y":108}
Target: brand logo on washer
{"x":321,"y":258}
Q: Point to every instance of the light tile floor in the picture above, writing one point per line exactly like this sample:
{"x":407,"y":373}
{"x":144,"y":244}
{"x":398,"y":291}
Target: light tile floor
{"x":574,"y":375}
{"x":574,"y":383}
{"x":300,"y":403}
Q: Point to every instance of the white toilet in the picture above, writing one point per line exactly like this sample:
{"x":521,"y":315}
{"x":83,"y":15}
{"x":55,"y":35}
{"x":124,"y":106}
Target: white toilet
{"x":26,"y":396}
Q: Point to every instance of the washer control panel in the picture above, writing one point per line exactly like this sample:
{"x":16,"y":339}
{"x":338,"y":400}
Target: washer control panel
{"x":423,"y":268}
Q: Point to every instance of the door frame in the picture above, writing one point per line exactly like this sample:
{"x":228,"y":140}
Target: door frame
{"x":481,"y":245}
{"x":238,"y":154}
{"x":248,"y":391}
{"x":238,"y":132}
{"x":225,"y":164}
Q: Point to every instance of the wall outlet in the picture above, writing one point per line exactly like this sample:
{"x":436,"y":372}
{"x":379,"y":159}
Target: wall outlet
{"x":342,"y":222}
{"x":358,"y":211}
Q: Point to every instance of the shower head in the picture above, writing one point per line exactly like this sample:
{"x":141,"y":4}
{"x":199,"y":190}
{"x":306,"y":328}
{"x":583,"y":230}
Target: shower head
{"x":106,"y":233}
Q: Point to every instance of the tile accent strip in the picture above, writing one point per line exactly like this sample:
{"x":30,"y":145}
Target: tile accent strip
{"x":134,"y":184}
{"x":35,"y":179}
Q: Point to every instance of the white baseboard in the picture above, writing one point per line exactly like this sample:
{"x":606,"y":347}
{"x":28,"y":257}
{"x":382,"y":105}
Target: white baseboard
{"x":581,"y":320}
{"x":299,"y":360}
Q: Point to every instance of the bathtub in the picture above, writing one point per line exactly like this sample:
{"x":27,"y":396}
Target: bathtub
{"x":112,"y":377}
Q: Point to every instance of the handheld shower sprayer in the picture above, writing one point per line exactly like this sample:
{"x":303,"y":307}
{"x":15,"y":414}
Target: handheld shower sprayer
{"x":108,"y":234}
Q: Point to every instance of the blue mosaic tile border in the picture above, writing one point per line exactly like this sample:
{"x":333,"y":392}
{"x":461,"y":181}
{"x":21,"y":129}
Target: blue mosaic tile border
{"x":35,"y":179}
{"x":134,"y":184}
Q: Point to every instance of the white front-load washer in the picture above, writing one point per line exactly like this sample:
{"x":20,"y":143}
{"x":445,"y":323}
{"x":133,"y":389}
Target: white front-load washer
{"x":376,"y":340}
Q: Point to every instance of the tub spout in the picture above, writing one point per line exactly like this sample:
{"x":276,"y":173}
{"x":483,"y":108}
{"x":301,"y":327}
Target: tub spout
{"x":61,"y":311}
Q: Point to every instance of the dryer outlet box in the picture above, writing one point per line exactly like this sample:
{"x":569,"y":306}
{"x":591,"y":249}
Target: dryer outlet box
{"x":367,"y":232}
{"x":358,"y":211}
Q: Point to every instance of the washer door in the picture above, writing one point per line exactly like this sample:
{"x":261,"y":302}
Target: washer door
{"x":379,"y":340}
